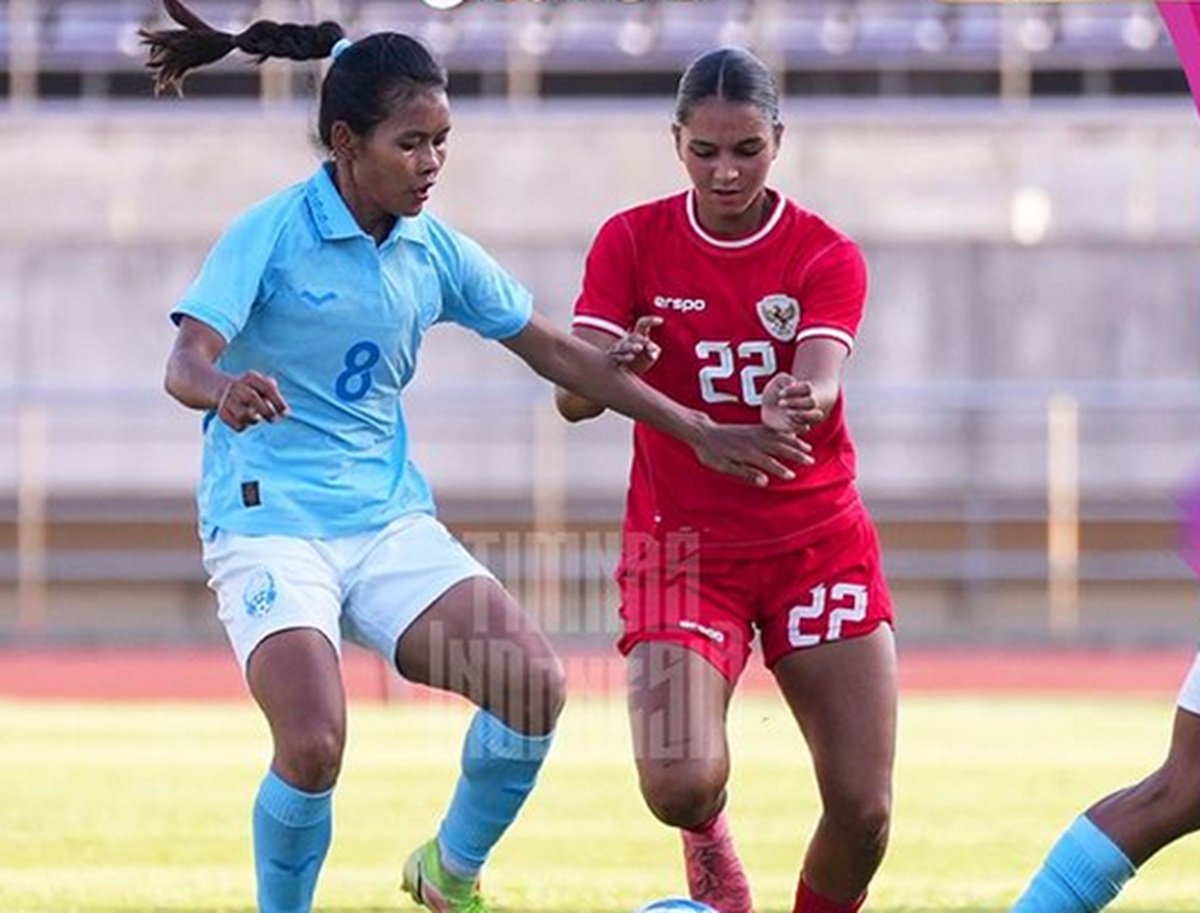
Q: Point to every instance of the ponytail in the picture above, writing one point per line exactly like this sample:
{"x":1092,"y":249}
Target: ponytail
{"x":368,"y":78}
{"x":175,"y":52}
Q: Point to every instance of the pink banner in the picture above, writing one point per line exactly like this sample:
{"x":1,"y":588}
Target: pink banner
{"x":1183,"y":22}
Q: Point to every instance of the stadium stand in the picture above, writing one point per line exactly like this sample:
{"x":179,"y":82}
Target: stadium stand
{"x":494,"y":47}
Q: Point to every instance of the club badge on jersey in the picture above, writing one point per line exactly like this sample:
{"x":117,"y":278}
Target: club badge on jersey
{"x":780,"y":315}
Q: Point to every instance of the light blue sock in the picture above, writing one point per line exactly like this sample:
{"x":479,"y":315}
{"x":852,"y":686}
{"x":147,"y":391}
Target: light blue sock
{"x":1084,"y":871}
{"x":499,"y":768}
{"x":292,"y":830}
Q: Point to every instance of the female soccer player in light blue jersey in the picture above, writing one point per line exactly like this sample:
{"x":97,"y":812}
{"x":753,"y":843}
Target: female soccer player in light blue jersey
{"x":296,"y":339}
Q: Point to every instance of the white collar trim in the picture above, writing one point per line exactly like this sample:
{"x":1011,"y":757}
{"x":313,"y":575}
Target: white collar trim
{"x":737,"y":243}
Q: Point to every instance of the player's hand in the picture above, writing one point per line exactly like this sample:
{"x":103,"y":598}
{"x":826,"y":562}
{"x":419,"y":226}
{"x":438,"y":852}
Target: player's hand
{"x":636,"y":350}
{"x":789,"y":405}
{"x":251,"y":398}
{"x":753,"y":453}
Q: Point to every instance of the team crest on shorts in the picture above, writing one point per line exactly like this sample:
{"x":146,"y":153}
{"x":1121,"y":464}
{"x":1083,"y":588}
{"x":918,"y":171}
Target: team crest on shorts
{"x":780,"y":314}
{"x":260,"y":593}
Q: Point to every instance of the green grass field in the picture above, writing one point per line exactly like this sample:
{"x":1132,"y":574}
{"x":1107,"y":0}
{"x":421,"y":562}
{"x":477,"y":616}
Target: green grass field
{"x":138,"y":808}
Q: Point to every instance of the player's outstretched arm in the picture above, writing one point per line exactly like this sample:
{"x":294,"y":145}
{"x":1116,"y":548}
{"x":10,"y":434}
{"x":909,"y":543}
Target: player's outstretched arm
{"x":751,"y":452}
{"x":798,"y":400}
{"x":635,"y":351}
{"x":193,"y":378}
{"x":572,"y":406}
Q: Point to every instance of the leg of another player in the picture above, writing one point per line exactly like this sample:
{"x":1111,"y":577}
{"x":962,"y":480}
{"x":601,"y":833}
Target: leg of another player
{"x":475,"y":641}
{"x":295,"y":677}
{"x":677,"y":708}
{"x":1101,"y":850}
{"x":1162,"y":808}
{"x":843,"y":695}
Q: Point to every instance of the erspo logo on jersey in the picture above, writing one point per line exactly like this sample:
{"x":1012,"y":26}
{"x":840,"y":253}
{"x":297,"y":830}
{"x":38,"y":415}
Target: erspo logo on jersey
{"x":684,"y":305}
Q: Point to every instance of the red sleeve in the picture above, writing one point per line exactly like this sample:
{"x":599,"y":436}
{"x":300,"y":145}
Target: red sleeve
{"x":833,"y":289}
{"x":609,"y":280}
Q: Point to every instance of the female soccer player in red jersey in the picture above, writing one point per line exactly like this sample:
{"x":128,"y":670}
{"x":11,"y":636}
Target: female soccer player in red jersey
{"x":736,"y":301}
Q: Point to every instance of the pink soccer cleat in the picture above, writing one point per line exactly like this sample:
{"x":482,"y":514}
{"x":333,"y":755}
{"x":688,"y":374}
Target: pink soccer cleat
{"x":714,"y":873}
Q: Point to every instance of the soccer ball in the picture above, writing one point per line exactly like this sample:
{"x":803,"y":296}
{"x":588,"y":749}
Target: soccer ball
{"x":675,"y":905}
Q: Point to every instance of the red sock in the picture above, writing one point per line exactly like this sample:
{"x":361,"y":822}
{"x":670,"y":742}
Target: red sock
{"x":809,"y":901}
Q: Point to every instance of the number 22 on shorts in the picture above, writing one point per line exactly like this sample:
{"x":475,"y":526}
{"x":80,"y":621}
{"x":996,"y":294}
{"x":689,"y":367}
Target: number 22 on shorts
{"x":845,"y":602}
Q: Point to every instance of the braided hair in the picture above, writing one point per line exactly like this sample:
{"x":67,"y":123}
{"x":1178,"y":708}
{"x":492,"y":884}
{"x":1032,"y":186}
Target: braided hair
{"x":365,"y":81}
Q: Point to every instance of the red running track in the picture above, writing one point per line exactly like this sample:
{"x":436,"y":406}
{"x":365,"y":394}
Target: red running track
{"x":211,"y":674}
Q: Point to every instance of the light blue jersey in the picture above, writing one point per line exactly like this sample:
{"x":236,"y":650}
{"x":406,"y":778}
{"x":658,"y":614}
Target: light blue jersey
{"x":300,"y":292}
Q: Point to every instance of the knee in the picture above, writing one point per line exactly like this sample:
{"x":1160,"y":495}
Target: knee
{"x":549,"y":689}
{"x":534,"y":704}
{"x":312,"y":758}
{"x":1176,"y":789}
{"x":684,"y":795}
{"x":1190,"y":808}
{"x":864,"y":819}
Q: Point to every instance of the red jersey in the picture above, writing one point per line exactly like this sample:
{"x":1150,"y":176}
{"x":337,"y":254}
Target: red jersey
{"x":733,"y":313}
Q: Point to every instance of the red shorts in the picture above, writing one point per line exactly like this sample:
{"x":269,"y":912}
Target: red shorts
{"x":832,"y":589}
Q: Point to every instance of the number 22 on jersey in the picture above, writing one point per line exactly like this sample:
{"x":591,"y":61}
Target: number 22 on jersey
{"x":754,"y":363}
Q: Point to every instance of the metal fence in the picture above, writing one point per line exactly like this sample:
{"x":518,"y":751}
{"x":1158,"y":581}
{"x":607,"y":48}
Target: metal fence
{"x":1035,"y":493}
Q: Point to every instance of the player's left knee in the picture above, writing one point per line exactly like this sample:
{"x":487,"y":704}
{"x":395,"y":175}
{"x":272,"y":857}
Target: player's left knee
{"x":684,"y":795}
{"x":865,"y":819}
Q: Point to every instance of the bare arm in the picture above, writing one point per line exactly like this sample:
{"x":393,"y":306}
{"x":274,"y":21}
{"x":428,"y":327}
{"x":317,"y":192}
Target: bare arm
{"x":572,"y":406}
{"x":802,"y":398}
{"x":193,"y":378}
{"x":635,"y":351}
{"x":747,"y":451}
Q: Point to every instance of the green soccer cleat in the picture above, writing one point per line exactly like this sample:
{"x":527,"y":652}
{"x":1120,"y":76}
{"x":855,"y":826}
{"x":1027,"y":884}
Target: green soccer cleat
{"x":437,"y":890}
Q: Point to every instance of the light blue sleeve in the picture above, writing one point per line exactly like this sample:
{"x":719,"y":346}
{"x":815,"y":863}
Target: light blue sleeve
{"x":232,"y":277}
{"x":477,"y":293}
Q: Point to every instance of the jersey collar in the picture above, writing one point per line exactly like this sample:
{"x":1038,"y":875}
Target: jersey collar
{"x":335,"y":222}
{"x":732,"y":243}
{"x":409,"y":228}
{"x":332,"y":215}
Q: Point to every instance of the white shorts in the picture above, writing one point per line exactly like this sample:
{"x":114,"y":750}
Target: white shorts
{"x":367,"y":588}
{"x":1189,"y":694}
